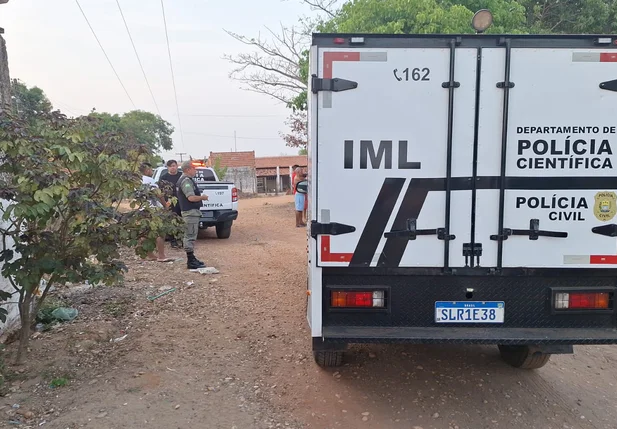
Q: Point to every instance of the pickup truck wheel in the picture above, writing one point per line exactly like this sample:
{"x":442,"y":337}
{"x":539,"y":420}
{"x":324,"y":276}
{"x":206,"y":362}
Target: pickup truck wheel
{"x":223,"y":230}
{"x":328,"y":359}
{"x":524,"y":357}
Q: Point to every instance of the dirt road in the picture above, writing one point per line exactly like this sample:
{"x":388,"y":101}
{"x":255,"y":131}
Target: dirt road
{"x":232,"y":350}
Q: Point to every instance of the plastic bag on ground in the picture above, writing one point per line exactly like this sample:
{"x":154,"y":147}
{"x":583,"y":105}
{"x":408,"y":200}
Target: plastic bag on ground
{"x":65,"y":314}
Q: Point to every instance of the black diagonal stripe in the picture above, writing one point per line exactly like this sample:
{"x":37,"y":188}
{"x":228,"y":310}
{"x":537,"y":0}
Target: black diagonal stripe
{"x":418,"y":190}
{"x":376,"y":222}
{"x":412,"y":203}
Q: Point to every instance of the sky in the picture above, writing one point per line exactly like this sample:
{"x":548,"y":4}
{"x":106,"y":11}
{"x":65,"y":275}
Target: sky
{"x":51,"y":46}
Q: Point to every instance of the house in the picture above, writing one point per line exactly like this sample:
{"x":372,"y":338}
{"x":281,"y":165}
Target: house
{"x":239,"y":166}
{"x":274,"y":173}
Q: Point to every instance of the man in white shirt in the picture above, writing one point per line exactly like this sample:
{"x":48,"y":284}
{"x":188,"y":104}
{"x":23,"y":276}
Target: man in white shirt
{"x":148,"y":181}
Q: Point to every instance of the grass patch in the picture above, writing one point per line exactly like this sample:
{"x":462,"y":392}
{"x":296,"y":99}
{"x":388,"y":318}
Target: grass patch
{"x":115,"y":309}
{"x":58,"y":382}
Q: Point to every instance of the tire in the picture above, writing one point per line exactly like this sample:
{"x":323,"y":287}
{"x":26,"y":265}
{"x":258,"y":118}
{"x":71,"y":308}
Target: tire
{"x":201,"y":233}
{"x":328,"y":359}
{"x":524,"y":357}
{"x":223,"y":230}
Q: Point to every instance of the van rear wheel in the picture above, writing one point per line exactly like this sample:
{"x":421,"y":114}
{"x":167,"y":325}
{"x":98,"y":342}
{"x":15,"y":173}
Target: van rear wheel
{"x":328,"y":359}
{"x":524,"y":357}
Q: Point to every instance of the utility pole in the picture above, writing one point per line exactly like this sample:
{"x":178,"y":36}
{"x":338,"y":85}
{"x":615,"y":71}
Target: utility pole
{"x":181,"y":153}
{"x":235,"y":142}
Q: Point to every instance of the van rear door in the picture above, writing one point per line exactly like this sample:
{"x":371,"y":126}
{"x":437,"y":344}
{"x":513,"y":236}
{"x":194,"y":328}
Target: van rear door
{"x":388,"y":144}
{"x":556,"y":207}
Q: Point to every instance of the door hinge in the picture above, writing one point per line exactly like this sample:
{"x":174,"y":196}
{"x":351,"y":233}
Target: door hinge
{"x":412,"y":232}
{"x":608,"y":230}
{"x":330,"y":229}
{"x":610,"y":85}
{"x":334,"y":85}
{"x":533,"y":232}
{"x":470,"y":251}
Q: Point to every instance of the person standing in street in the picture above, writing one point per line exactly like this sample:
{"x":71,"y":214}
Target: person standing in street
{"x":190,"y":201}
{"x":167,"y":183}
{"x":299,"y":199}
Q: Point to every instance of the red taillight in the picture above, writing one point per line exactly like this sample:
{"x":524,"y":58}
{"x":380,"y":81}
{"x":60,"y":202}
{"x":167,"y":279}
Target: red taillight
{"x":582,"y":301}
{"x":234,"y":195}
{"x":589,"y":300}
{"x":345,"y":299}
{"x":339,"y":41}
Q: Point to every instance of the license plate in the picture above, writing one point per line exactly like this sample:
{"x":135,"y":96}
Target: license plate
{"x":469,"y":311}
{"x":207,"y":214}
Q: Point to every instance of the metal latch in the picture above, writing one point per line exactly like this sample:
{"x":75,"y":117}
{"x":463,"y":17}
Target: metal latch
{"x":608,"y":230}
{"x":334,"y":85}
{"x":470,"y":251}
{"x":330,"y":229}
{"x":533,"y":232}
{"x":412,"y":232}
{"x":610,"y":85}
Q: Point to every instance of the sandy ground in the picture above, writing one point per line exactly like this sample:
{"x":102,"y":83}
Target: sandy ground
{"x":232,"y":350}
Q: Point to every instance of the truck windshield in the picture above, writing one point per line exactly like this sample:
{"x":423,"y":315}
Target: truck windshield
{"x":204,"y":175}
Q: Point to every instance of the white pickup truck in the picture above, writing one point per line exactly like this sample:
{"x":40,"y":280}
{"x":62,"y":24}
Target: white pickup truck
{"x":221,"y":209}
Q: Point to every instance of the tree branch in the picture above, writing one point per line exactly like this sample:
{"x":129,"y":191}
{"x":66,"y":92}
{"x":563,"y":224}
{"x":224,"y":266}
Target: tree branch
{"x":326,"y":6}
{"x":273,"y":67}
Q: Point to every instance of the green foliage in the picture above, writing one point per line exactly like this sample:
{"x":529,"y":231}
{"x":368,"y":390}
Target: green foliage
{"x":46,"y":309}
{"x":59,"y":382}
{"x":221,"y":172}
{"x":303,"y":152}
{"x":28,"y":102}
{"x":4,"y":296}
{"x":145,"y":128}
{"x":572,"y":16}
{"x":64,"y":180}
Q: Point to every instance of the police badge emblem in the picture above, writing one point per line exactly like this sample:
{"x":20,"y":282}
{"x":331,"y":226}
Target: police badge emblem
{"x":605,"y":206}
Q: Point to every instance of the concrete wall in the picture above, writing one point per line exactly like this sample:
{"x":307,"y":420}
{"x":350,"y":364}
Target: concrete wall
{"x":244,"y":178}
{"x":5,"y":99}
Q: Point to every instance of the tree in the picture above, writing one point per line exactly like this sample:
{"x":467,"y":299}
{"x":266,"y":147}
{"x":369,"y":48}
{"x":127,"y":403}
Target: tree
{"x":63,"y":180}
{"x":303,"y":152}
{"x":298,"y":135}
{"x":28,"y":102}
{"x":572,"y":16}
{"x":221,"y":172}
{"x":146,"y":128}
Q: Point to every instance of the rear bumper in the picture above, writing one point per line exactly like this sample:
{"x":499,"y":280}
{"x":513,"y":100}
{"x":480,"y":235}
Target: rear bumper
{"x":430,"y":335}
{"x":218,"y":216}
{"x":409,"y":316}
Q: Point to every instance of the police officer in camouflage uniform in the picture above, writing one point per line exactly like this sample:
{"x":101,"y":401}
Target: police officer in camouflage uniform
{"x":189,"y":199}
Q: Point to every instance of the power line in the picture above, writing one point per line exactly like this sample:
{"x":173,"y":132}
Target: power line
{"x":138,"y":59}
{"x":173,"y":78}
{"x":234,"y":137}
{"x":105,"y":53}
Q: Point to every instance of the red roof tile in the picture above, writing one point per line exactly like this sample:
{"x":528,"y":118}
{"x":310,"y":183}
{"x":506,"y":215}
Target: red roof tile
{"x":281,"y":161}
{"x":233,"y":159}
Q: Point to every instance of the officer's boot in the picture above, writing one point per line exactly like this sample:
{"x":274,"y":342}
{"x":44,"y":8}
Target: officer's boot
{"x":192,"y":263}
{"x":200,"y":262}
